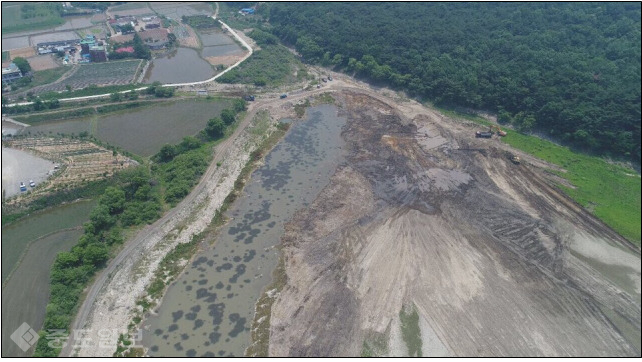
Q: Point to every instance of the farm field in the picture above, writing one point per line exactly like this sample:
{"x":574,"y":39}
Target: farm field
{"x":44,"y":62}
{"x":17,"y":236}
{"x":110,"y":73}
{"x":177,"y":10}
{"x":136,"y":8}
{"x":12,"y":43}
{"x":80,"y":161}
{"x":142,"y":131}
{"x":13,"y":20}
{"x":34,"y":40}
{"x":29,"y":247}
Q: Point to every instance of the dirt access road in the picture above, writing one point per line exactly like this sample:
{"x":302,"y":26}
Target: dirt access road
{"x":111,"y":299}
{"x":424,"y":217}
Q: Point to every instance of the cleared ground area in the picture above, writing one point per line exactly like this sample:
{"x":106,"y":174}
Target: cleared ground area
{"x":22,"y":166}
{"x":430,"y":242}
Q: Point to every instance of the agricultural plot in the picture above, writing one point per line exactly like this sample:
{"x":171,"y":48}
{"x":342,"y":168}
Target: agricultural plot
{"x":17,"y":42}
{"x":110,"y":73}
{"x":80,"y":161}
{"x":186,"y":36}
{"x":136,"y":9}
{"x":142,"y":131}
{"x":177,"y":10}
{"x":49,"y":37}
{"x":26,"y":16}
{"x":43,"y":62}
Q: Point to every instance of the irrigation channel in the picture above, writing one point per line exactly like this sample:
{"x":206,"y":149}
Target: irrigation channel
{"x":209,"y":309}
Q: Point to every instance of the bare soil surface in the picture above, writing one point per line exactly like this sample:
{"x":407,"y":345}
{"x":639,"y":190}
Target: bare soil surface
{"x":495,"y":261}
{"x":43,"y":62}
{"x":23,"y":52}
{"x":225,"y":60}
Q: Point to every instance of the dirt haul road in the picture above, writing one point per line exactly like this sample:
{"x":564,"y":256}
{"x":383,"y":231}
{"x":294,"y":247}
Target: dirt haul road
{"x":422,"y":216}
{"x":111,"y":299}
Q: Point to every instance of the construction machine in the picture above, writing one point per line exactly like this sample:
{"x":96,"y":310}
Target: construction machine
{"x":499,"y":130}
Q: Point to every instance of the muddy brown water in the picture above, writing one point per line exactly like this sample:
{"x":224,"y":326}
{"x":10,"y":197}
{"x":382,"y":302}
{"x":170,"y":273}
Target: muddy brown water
{"x":29,"y":248}
{"x":209,"y":309}
{"x":181,"y":66}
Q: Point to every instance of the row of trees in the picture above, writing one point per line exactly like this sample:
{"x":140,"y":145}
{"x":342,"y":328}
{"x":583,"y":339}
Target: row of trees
{"x":135,"y":197}
{"x":571,"y":70}
{"x":131,"y":201}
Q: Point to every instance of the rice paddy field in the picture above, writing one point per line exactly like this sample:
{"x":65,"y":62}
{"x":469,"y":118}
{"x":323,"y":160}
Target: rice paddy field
{"x":142,"y":131}
{"x":13,"y":21}
{"x":29,"y":247}
{"x":134,"y":8}
{"x":177,"y":10}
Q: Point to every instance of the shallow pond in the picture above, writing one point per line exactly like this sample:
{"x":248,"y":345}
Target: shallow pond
{"x":209,"y":309}
{"x":145,"y":130}
{"x":181,"y":66}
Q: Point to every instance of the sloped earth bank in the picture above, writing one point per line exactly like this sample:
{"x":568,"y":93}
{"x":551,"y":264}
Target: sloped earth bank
{"x":209,"y":309}
{"x":423,"y":217}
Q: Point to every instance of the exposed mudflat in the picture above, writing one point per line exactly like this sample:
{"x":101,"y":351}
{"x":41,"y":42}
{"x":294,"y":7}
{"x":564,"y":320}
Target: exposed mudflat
{"x":422,"y":216}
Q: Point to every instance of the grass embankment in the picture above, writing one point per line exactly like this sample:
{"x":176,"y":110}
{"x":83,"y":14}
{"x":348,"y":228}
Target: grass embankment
{"x":33,"y":119}
{"x":610,"y":192}
{"x":137,"y":196}
{"x":89,"y":91}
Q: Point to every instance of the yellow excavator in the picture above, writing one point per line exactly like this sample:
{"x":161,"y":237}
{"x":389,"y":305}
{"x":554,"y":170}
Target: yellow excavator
{"x":494,"y":128}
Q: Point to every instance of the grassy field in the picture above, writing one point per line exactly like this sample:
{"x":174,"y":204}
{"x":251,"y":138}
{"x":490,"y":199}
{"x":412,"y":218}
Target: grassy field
{"x":271,"y":66}
{"x":610,"y":192}
{"x":39,"y":16}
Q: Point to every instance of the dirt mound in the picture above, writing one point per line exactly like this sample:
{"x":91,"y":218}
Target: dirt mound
{"x":425,"y":218}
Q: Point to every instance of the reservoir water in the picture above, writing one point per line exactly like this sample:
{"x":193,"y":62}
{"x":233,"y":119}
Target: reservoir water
{"x":182,"y":66}
{"x":209,"y":309}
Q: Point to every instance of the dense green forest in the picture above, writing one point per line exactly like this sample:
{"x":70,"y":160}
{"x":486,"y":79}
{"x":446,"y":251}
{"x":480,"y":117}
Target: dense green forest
{"x":568,"y":70}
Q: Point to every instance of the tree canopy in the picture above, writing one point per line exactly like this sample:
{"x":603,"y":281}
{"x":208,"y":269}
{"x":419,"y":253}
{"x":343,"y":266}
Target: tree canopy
{"x":569,"y":70}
